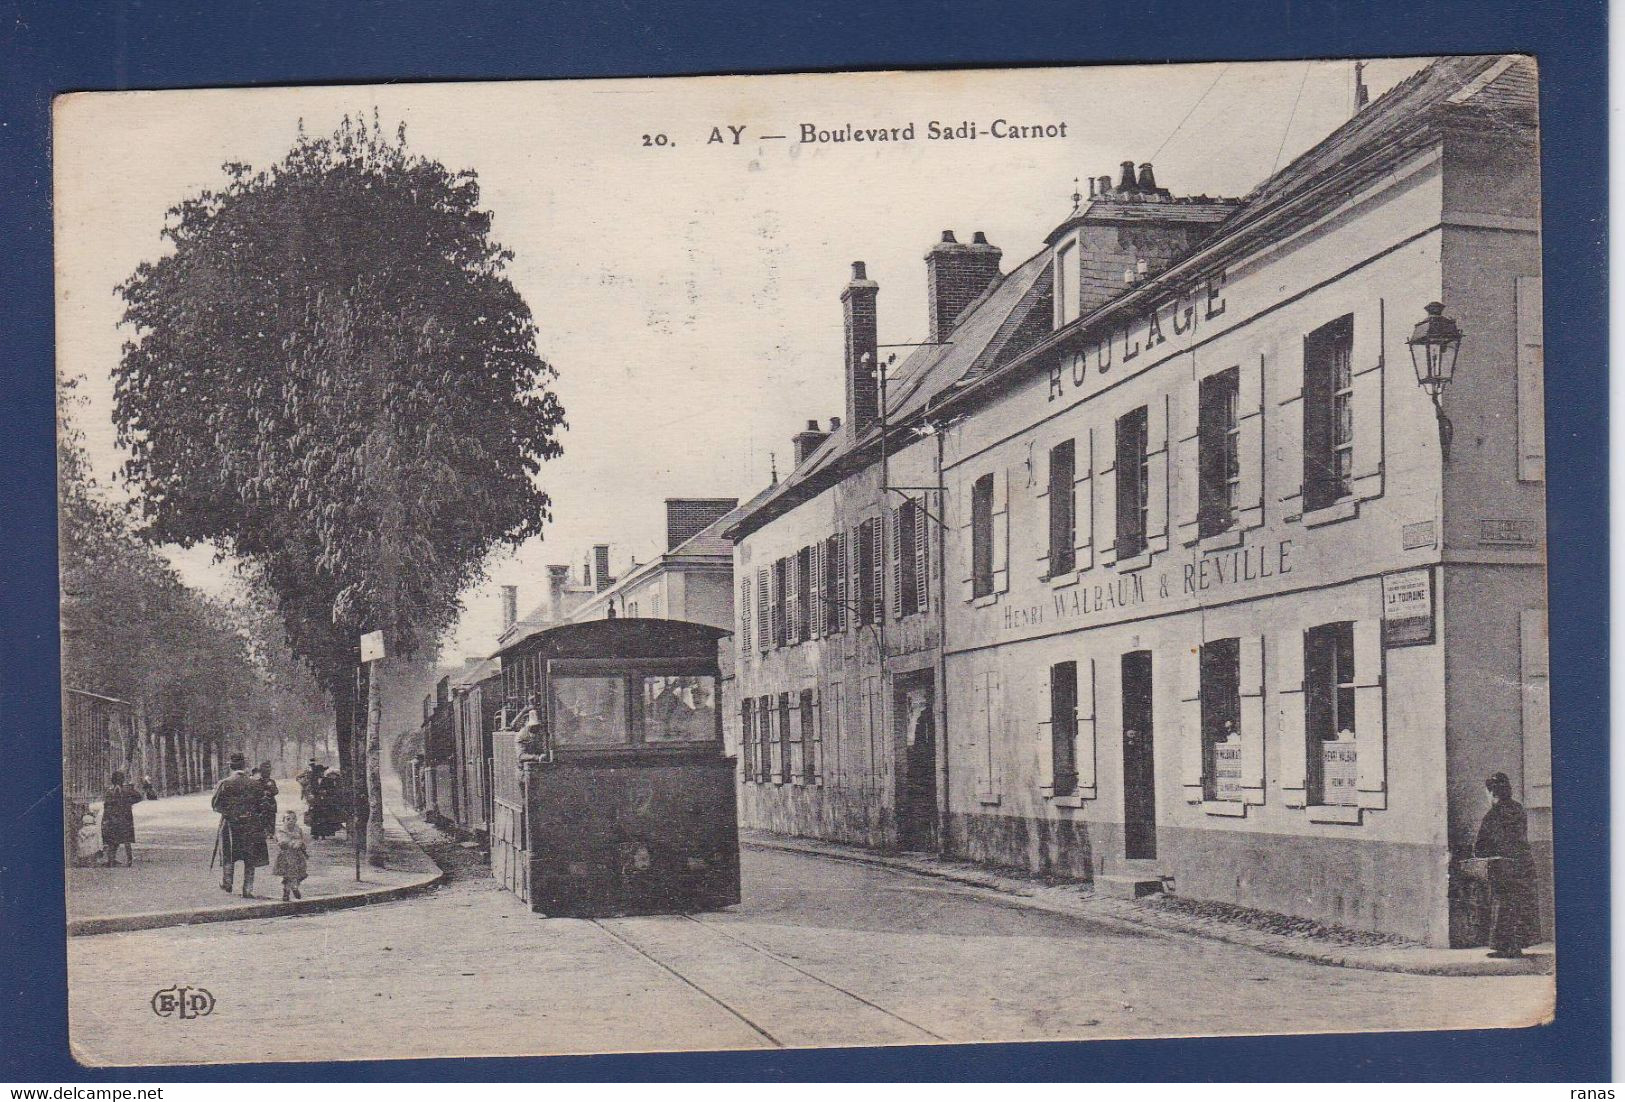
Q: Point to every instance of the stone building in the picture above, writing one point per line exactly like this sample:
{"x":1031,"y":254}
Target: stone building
{"x":1217,"y":611}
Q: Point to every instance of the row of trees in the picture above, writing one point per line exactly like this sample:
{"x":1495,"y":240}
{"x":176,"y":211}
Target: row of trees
{"x":331,"y":378}
{"x":192,"y":666}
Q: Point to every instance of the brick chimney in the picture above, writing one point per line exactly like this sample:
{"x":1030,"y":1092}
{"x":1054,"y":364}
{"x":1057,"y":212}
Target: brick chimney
{"x":686,"y":517}
{"x":807,"y":440}
{"x":600,"y":568}
{"x":862,"y":350}
{"x":558,"y":579}
{"x":955,"y":276}
{"x":510,"y":606}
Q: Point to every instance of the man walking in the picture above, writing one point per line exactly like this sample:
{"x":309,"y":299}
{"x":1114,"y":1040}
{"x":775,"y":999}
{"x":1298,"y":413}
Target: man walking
{"x":239,"y":799}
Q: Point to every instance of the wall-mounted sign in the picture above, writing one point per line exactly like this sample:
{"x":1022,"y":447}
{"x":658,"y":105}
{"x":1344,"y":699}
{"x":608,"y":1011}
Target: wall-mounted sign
{"x":1407,"y":608}
{"x":1227,"y":771}
{"x":1419,"y":534}
{"x":1516,"y":533}
{"x":1338,"y":771}
{"x":372,"y":646}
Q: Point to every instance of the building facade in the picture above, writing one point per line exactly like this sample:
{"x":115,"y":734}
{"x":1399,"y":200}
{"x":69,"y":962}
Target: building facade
{"x":1219,"y":613}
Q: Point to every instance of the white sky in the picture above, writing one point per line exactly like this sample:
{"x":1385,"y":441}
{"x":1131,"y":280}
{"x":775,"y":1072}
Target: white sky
{"x":688,"y":295}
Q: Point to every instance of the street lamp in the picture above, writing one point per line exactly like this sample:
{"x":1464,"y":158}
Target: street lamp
{"x":1434,"y":345}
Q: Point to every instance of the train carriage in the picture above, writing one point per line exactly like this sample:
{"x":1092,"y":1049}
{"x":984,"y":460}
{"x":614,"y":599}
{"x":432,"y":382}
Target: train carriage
{"x":612,"y":792}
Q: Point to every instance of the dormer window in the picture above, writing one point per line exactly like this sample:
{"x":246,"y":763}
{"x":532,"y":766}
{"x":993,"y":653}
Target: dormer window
{"x":1066,"y":283}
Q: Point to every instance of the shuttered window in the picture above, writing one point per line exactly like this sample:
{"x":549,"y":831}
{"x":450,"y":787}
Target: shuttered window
{"x":764,"y":739}
{"x":745,"y":614}
{"x":840,"y":609}
{"x":809,"y":737}
{"x":747,"y":738}
{"x":866,"y":572}
{"x":1329,"y":718}
{"x":1062,"y":522}
{"x":1218,"y":451}
{"x":1221,"y":718}
{"x":804,"y":604}
{"x":981,"y":511}
{"x":922,"y":559}
{"x":1063,"y":713}
{"x":1328,"y":413}
{"x":1133,"y":483}
{"x":764,"y":610}
{"x":783,"y":773}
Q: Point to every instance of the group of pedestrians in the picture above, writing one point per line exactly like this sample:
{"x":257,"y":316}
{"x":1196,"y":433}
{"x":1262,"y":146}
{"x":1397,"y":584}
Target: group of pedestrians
{"x":247,"y":804}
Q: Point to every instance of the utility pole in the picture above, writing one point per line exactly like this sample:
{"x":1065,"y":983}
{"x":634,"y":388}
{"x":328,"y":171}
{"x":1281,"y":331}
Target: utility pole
{"x":372,"y":656}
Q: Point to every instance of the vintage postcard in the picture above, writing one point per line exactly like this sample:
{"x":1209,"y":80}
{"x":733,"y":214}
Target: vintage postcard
{"x":816,"y":560}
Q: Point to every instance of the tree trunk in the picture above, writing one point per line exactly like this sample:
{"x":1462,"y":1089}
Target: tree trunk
{"x":375,"y":782}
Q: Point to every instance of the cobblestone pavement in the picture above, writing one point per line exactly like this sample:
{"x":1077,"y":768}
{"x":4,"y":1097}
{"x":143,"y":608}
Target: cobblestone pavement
{"x":820,"y":952}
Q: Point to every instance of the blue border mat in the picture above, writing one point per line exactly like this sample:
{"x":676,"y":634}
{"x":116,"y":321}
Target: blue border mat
{"x":49,"y":48}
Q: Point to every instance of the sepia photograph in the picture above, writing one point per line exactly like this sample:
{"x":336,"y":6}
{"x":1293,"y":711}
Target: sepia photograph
{"x":840,"y":559}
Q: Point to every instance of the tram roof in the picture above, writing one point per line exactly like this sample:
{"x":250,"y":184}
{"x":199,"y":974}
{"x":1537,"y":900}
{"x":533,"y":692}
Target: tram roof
{"x":622,"y":637}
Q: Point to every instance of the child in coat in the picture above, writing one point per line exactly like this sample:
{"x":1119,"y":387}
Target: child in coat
{"x":291,"y":855}
{"x":88,"y":841}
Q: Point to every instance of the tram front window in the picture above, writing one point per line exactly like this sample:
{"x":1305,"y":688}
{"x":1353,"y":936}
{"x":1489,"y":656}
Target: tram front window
{"x":589,"y":711}
{"x":681,"y":708}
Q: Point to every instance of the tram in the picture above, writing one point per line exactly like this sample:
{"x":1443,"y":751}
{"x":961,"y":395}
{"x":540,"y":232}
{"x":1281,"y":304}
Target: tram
{"x":612,"y":791}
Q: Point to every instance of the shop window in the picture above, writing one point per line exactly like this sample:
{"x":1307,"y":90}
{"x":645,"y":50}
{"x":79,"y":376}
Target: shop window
{"x":1133,"y":483}
{"x":804,"y":580}
{"x":1219,"y":451}
{"x":1221,"y":720}
{"x":1328,"y":669}
{"x":1062,"y":521}
{"x":1063,"y":713}
{"x":981,"y":512}
{"x":1328,"y":413}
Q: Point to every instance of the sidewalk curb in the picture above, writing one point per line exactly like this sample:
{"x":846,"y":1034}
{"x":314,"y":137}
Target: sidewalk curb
{"x":1015,"y":893}
{"x":152,"y":920}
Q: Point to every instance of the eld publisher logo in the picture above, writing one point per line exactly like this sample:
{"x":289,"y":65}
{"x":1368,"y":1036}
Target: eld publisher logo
{"x":183,"y":1003}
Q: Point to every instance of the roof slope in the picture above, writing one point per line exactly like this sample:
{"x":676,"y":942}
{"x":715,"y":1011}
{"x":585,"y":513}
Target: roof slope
{"x":984,"y":330}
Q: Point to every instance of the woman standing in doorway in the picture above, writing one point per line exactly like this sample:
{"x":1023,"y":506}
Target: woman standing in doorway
{"x":1503,"y":836}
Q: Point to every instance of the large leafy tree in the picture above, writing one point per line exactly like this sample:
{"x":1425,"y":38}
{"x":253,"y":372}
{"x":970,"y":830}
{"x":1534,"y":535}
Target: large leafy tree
{"x":331,"y":376}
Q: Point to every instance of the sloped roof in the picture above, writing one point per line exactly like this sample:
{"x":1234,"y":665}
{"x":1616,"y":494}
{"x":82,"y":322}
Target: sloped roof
{"x":981,"y":332}
{"x":1485,"y":91}
{"x":1498,"y":89}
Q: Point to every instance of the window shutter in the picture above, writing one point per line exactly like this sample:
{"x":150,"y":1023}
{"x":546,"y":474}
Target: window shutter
{"x":1368,"y":364}
{"x":1038,"y":476}
{"x":815,"y":603}
{"x":1001,"y":530}
{"x":1156,"y":461}
{"x":995,"y":723}
{"x":792,"y":599}
{"x":1291,"y":721}
{"x":877,"y":560}
{"x":1288,"y":438}
{"x":967,"y":541}
{"x":922,"y":559}
{"x":745,"y":614}
{"x":815,"y":760}
{"x":764,"y":626}
{"x":1370,"y":747}
{"x":1250,"y":422}
{"x":1187,"y":478}
{"x":747,"y":740}
{"x":1537,"y":717}
{"x":1085,"y":750}
{"x":841,"y":587}
{"x":1252,"y":719}
{"x":773,"y":739}
{"x":1190,"y":723}
{"x":1045,"y":731}
{"x":794,"y":762}
{"x":1531,"y":383}
{"x":1083,"y":502}
{"x":894,"y":534}
{"x":1105,"y":479}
